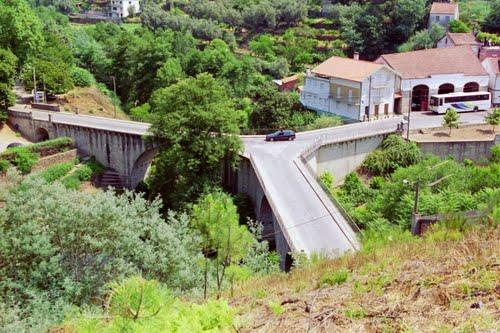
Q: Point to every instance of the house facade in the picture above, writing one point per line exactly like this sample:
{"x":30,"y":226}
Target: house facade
{"x":124,"y":8}
{"x":435,"y":71}
{"x":459,"y":39}
{"x":442,"y":13}
{"x":351,"y":88}
{"x":492,"y":66}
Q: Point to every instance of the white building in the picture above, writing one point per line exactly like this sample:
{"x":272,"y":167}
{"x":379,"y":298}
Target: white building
{"x":492,"y":66}
{"x":123,"y":8}
{"x":442,"y":13}
{"x":436,"y":71}
{"x":351,"y":88}
{"x":458,"y":39}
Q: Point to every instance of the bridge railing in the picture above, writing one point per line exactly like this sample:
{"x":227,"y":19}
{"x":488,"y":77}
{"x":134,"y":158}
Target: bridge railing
{"x":325,"y":139}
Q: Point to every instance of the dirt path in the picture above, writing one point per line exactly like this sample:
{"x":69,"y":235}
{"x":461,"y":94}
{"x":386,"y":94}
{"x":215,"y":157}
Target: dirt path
{"x":8,"y":135}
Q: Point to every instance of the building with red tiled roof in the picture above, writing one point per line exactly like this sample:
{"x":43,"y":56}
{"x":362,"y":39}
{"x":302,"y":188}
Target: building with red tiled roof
{"x":351,"y":88}
{"x":436,"y":71}
{"x":492,"y":66}
{"x":442,"y":13}
{"x":452,"y":39}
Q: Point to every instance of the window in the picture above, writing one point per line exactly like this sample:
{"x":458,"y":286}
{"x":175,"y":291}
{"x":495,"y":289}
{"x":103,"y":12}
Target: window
{"x":350,"y":96}
{"x":437,"y":18}
{"x":386,"y":109}
{"x":367,"y":110}
{"x":338,"y":92}
{"x":376,"y":110}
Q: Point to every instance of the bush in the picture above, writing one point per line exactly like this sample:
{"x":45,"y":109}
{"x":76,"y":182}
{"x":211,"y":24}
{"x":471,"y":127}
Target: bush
{"x":56,"y":172}
{"x":24,"y":159}
{"x":82,"y":77}
{"x":4,"y":165}
{"x":84,"y":173}
{"x":495,"y":154}
{"x":96,"y":167}
{"x":334,"y":277}
{"x":71,"y":182}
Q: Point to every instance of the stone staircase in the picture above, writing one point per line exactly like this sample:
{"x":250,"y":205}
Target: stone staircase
{"x":109,"y":178}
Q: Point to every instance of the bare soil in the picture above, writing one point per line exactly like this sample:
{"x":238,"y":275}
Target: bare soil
{"x":467,"y":133}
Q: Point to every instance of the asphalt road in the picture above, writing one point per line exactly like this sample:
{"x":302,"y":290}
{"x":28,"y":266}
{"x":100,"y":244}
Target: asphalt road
{"x":307,"y":217}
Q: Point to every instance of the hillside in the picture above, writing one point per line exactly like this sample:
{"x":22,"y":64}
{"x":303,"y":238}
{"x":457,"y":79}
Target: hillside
{"x":90,"y":101}
{"x":446,"y":281}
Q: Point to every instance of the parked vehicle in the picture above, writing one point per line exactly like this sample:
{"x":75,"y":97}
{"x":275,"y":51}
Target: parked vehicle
{"x":461,"y":101}
{"x":14,"y":144}
{"x":281,"y":135}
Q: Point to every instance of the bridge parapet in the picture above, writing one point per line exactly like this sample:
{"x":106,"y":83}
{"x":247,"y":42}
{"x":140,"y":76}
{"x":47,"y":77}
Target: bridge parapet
{"x":119,"y":145}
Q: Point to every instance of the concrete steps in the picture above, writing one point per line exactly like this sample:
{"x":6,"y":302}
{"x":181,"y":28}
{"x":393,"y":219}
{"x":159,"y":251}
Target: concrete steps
{"x":109,"y":178}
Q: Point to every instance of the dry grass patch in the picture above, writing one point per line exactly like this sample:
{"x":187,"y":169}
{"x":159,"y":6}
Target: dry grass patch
{"x":432,"y":284}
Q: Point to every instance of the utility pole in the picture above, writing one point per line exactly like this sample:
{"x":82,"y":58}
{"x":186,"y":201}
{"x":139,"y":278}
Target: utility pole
{"x":44,"y":90}
{"x":34,"y":85}
{"x":409,"y":112}
{"x":114,"y":89}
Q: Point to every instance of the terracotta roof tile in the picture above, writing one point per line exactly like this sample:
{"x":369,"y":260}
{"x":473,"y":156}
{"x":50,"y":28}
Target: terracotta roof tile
{"x":424,"y":63}
{"x":346,"y":68}
{"x":443,"y":8}
{"x":466,"y":38}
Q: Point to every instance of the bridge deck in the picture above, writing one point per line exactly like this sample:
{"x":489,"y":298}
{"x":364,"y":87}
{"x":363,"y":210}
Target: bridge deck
{"x":113,"y":125}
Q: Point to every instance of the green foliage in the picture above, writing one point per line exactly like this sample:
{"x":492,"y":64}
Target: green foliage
{"x":458,"y":26}
{"x":276,"y":308}
{"x":326,"y":179}
{"x":138,"y":305}
{"x":20,"y":29}
{"x":395,"y":152}
{"x":194,"y":122}
{"x":423,"y":39}
{"x":492,"y":21}
{"x":451,"y":119}
{"x":56,"y":172}
{"x":333,"y":278}
{"x":82,"y":77}
{"x":67,"y":245}
{"x":492,"y":37}
{"x":495,"y":154}
{"x":84,"y":173}
{"x":24,"y":159}
{"x":141,"y":112}
{"x":4,"y":165}
{"x":96,"y":167}
{"x":244,"y":206}
{"x":474,"y":12}
{"x":493,"y":118}
{"x":8,"y":62}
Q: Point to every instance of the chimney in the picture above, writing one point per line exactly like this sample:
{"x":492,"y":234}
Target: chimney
{"x":355,"y":56}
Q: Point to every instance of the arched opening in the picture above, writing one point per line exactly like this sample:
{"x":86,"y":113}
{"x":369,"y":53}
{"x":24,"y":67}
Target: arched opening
{"x":471,"y":87}
{"x":446,"y":88}
{"x":141,"y":167}
{"x":266,"y":218}
{"x":420,"y":98}
{"x":41,"y":134}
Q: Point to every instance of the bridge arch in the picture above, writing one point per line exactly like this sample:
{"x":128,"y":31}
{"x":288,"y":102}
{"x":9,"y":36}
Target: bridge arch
{"x":41,"y":134}
{"x":141,"y":166}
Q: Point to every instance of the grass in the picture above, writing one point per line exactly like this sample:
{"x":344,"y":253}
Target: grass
{"x":396,"y":283}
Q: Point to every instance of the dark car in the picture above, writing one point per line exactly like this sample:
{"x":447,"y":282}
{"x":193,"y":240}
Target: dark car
{"x":15,"y":144}
{"x":282,"y":135}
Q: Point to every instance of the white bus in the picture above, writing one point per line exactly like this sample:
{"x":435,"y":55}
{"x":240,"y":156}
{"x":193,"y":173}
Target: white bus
{"x":461,"y":101}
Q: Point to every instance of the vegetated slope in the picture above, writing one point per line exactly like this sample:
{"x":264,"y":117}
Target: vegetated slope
{"x":443,"y":281}
{"x":91,"y":101}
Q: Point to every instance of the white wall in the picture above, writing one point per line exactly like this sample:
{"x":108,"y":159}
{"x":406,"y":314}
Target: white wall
{"x":458,"y":80}
{"x":122,"y":7}
{"x":382,"y":92}
{"x":315,"y":93}
{"x":493,"y":83}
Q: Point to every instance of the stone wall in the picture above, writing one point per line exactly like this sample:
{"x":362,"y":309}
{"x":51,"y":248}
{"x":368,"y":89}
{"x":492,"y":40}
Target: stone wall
{"x":473,"y":150}
{"x":47,"y":161}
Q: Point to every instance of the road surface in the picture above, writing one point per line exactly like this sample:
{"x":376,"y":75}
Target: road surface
{"x":309,"y":220}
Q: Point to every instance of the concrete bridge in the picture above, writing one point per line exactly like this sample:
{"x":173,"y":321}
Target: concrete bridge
{"x":280,"y":177}
{"x":117,"y":144}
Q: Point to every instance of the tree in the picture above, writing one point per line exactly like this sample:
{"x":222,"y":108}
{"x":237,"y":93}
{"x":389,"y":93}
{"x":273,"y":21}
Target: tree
{"x":194,"y":122}
{"x":493,"y":118}
{"x":451,"y":119}
{"x":63,"y":244}
{"x":216,"y":218}
{"x":273,"y":108}
{"x":8,"y":63}
{"x":458,"y":26}
{"x":492,"y":21}
{"x":20,"y":28}
{"x":423,"y":39}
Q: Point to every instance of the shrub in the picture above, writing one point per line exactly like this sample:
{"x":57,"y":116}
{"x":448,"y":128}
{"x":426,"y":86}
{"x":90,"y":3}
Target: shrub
{"x":56,"y":172}
{"x":4,"y":165}
{"x":82,"y":77}
{"x":71,"y":182}
{"x":24,"y":159}
{"x":96,"y":167}
{"x":495,"y":154}
{"x":332,"y":278}
{"x":327,"y":180}
{"x":84,"y":173}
